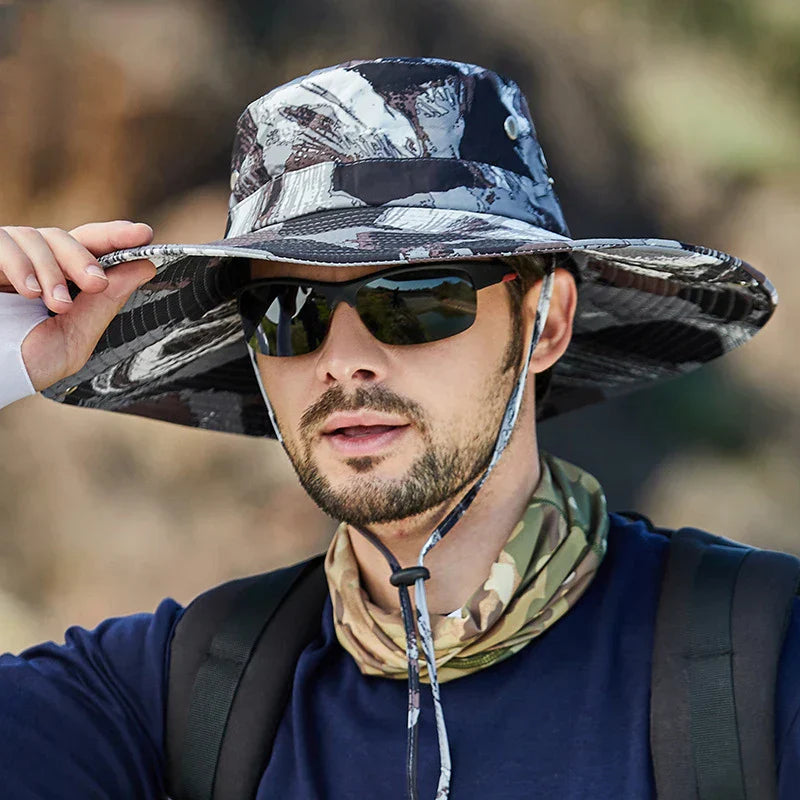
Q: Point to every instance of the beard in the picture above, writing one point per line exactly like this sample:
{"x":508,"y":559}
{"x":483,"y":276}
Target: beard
{"x":446,"y":466}
{"x":435,"y":476}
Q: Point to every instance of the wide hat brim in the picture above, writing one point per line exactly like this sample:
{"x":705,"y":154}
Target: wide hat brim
{"x":648,"y":309}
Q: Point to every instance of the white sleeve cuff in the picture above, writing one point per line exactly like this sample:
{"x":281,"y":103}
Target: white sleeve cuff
{"x":18,"y":317}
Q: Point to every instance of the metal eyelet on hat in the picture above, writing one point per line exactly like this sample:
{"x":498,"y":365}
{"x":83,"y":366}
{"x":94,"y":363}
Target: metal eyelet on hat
{"x":234,"y":178}
{"x":511,"y":127}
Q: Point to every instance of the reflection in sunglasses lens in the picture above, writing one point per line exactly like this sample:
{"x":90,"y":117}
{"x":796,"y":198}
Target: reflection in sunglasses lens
{"x":417,"y":310}
{"x":290,"y":319}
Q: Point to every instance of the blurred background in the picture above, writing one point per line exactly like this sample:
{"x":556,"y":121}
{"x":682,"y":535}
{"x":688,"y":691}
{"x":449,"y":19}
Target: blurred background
{"x":676,"y":118}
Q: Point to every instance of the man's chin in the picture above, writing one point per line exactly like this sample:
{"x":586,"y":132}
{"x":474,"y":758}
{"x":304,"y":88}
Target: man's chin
{"x":387,"y":487}
{"x":367,"y":479}
{"x":345,"y":472}
{"x":365,"y":499}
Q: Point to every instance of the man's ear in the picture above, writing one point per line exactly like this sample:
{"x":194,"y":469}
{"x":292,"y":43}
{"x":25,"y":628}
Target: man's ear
{"x":557,"y":331}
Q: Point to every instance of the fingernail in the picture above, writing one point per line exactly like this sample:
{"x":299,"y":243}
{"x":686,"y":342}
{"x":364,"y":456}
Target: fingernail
{"x":96,"y":271}
{"x":32,"y":284}
{"x":61,"y":293}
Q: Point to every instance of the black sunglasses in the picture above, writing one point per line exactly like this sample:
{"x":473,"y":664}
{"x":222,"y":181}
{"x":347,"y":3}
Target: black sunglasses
{"x":399,"y":306}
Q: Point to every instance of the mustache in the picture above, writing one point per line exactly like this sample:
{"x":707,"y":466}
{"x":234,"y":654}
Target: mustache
{"x":377,"y":398}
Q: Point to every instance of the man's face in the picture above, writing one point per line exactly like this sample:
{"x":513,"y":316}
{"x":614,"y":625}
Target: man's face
{"x":381,"y":432}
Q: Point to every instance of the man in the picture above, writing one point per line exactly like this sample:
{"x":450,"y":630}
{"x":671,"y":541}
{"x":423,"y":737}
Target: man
{"x":396,"y":300}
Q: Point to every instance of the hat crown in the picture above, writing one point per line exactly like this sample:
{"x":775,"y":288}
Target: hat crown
{"x":446,"y":125}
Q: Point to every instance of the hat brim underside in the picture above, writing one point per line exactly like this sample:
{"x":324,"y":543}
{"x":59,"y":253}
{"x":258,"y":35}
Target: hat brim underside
{"x":648,"y":309}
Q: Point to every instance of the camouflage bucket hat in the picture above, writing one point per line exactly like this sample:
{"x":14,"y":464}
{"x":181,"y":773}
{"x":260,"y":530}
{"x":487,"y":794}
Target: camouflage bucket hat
{"x":388,"y":162}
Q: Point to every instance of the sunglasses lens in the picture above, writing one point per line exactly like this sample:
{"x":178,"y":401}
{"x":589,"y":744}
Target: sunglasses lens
{"x":284,"y":320}
{"x":423,"y":307}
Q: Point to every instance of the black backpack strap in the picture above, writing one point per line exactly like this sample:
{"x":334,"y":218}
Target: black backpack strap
{"x":719,"y":633}
{"x":232,"y":662}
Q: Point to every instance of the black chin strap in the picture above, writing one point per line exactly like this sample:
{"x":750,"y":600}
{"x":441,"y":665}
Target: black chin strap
{"x":403,"y":577}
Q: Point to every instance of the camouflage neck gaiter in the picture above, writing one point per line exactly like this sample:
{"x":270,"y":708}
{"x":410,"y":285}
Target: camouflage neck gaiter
{"x":547,"y":563}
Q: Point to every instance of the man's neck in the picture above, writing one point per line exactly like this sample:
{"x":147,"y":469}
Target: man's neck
{"x":460,"y":562}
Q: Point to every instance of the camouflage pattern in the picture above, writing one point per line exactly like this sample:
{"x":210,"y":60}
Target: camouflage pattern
{"x":546,"y":565}
{"x":387,"y":162}
{"x":462,"y":133}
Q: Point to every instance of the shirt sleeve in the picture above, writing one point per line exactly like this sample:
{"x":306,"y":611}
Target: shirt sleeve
{"x":787,"y":716}
{"x":18,"y":316}
{"x":86,"y":719}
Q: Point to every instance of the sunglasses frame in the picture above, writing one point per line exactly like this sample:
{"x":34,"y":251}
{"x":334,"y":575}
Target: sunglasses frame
{"x":481,"y":274}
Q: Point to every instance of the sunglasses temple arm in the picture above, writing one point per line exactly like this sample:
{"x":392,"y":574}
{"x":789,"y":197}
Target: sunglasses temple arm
{"x":267,"y":403}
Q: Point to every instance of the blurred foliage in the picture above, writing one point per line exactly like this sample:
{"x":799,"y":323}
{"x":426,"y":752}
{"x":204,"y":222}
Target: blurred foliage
{"x":765,"y":34}
{"x":706,"y":409}
{"x":742,"y":60}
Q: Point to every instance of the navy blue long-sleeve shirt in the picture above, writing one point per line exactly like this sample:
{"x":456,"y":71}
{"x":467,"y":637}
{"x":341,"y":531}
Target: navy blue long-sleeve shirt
{"x":567,"y":717}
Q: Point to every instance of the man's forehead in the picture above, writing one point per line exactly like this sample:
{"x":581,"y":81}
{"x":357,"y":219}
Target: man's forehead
{"x":282,"y":269}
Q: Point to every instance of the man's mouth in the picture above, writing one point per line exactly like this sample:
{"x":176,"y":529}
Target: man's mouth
{"x":362,"y":436}
{"x":358,"y":431}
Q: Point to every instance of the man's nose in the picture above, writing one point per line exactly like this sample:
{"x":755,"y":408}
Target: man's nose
{"x":350,"y":352}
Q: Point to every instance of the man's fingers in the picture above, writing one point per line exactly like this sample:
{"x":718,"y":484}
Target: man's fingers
{"x":85,"y":323}
{"x":45,"y":268}
{"x":38,"y":262}
{"x":105,"y":237}
{"x":16,"y":268}
{"x":76,"y":262}
{"x":61,"y":345}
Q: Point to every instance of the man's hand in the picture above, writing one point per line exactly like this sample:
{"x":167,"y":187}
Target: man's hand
{"x":36,"y":262}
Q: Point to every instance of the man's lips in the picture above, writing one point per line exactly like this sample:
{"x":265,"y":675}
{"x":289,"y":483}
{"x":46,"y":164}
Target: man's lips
{"x":357,"y":431}
{"x":359,"y":423}
{"x":362,"y":434}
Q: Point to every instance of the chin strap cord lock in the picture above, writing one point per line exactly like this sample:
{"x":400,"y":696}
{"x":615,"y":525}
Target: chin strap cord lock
{"x":408,"y":576}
